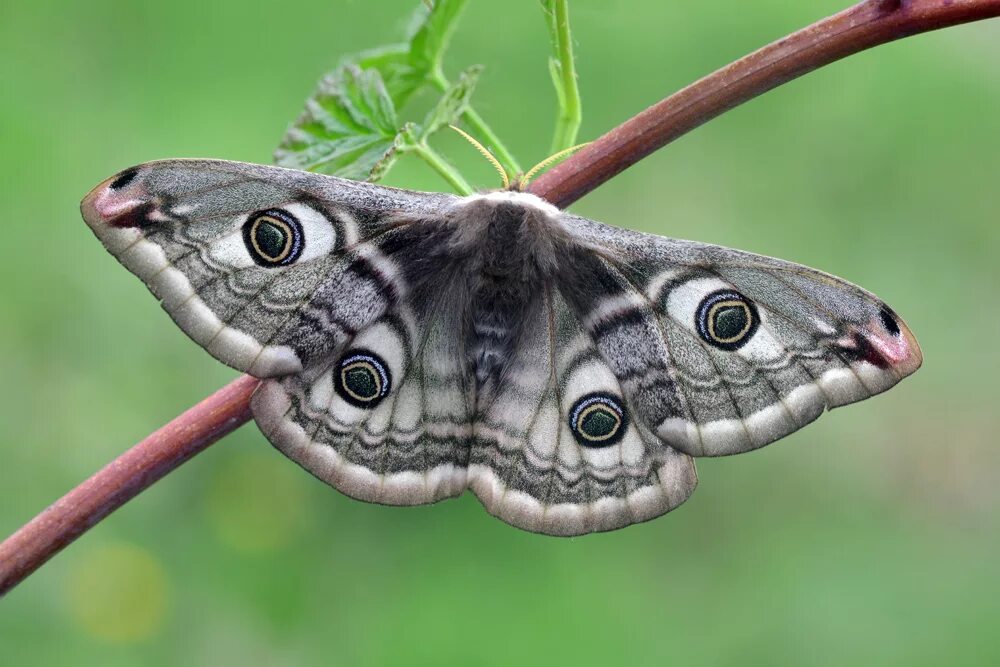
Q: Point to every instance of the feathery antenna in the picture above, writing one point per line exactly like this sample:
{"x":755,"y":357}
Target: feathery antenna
{"x":523,"y":181}
{"x":488,"y":155}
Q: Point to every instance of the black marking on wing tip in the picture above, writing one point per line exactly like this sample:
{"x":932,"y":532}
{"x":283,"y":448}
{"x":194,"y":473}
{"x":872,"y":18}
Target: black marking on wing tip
{"x":889,"y":320}
{"x":363,"y":378}
{"x":124,"y":179}
{"x":598,"y":420}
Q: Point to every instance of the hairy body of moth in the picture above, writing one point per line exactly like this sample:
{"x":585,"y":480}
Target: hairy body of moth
{"x":510,"y":251}
{"x":415,"y":345}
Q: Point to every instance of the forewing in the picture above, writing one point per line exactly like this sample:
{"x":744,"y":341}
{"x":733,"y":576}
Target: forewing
{"x":267,"y":268}
{"x":723,"y":351}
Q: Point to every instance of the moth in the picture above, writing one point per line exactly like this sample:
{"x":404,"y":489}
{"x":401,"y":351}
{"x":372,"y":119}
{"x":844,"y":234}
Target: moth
{"x":413,"y":345}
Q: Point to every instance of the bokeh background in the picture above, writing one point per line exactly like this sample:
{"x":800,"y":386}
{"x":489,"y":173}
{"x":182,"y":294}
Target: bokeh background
{"x":870,"y":537}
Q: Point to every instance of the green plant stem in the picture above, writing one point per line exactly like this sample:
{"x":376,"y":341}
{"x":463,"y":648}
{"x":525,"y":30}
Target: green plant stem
{"x":564,"y":77}
{"x":481,"y":130}
{"x":441,"y":166}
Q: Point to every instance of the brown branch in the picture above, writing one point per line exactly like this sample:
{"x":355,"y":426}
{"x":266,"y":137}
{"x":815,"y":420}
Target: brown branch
{"x":860,"y":27}
{"x":122,"y":479}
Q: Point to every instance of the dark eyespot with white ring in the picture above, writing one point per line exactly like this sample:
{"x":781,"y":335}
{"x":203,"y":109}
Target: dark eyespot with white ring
{"x":363,"y":378}
{"x":273,"y":237}
{"x":598,"y":420}
{"x":726,"y":319}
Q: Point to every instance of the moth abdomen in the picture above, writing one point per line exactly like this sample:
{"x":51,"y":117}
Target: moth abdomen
{"x":506,"y":246}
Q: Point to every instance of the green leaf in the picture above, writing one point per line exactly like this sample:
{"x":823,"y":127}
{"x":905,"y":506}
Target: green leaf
{"x":393,"y":64}
{"x":453,"y":102}
{"x":347,"y":128}
{"x":405,"y":68}
{"x":429,"y":41}
{"x":350,"y":126}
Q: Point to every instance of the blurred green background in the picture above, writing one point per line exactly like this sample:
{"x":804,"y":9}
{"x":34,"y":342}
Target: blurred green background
{"x":871,"y":537}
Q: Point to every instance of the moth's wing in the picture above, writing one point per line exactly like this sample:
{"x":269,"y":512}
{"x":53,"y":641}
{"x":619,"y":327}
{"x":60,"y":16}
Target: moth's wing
{"x":386,"y":416}
{"x":528,"y":464}
{"x":434,"y":433}
{"x":181,"y":226}
{"x":723,"y":351}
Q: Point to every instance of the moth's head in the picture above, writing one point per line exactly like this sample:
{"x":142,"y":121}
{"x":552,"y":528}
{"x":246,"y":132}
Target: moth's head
{"x":486,"y":204}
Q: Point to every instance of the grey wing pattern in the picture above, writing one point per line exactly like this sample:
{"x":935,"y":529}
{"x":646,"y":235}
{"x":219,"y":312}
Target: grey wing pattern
{"x":266,"y":268}
{"x":387,"y":417}
{"x":533,"y":466}
{"x":724,"y":351}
